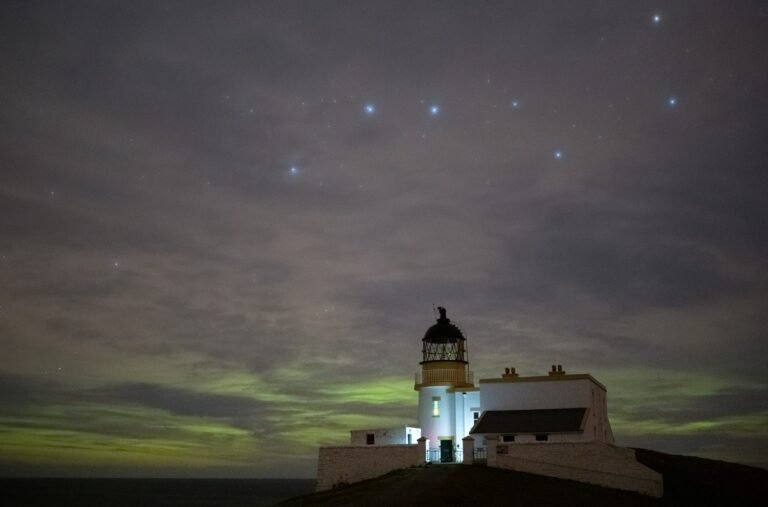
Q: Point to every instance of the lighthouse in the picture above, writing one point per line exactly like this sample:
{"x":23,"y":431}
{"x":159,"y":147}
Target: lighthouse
{"x":446,"y":388}
{"x":461,"y":423}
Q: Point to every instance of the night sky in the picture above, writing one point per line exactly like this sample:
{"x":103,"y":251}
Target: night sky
{"x":224,"y":225}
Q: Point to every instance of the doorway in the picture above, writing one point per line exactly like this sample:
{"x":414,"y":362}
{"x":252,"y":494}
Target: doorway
{"x":446,"y":451}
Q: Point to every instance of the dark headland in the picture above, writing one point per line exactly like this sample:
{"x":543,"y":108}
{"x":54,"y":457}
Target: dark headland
{"x":687,"y":481}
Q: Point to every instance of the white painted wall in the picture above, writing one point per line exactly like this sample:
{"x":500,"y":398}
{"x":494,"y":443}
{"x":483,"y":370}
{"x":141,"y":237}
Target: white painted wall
{"x":536,"y":395}
{"x":595,"y":463}
{"x":348,"y":464}
{"x":433,"y":428}
{"x":386,"y":436}
{"x":551,"y":437}
{"x":465,"y":402}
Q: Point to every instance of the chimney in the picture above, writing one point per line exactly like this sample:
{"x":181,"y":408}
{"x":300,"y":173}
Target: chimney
{"x":509,"y":373}
{"x":557,"y":370}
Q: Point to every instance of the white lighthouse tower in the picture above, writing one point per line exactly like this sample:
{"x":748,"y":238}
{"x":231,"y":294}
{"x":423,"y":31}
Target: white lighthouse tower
{"x":445,"y":416}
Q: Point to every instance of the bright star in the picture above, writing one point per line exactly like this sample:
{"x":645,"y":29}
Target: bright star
{"x":116,"y":264}
{"x":369,"y":109}
{"x":434,"y":110}
{"x":294,"y":171}
{"x":672,"y":101}
{"x":558,"y":154}
{"x":656,"y":19}
{"x":515,"y":104}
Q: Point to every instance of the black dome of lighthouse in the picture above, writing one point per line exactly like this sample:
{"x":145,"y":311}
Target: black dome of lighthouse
{"x":444,"y":341}
{"x":443,"y":331}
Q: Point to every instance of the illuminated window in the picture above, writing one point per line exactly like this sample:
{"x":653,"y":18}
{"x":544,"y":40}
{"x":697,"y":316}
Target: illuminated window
{"x":436,"y":406}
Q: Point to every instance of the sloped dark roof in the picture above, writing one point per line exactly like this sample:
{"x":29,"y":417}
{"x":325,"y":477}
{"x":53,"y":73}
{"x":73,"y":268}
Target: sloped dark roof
{"x":556,"y":420}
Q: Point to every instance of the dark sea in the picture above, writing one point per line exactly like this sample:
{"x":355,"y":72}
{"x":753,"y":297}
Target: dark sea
{"x":150,"y":492}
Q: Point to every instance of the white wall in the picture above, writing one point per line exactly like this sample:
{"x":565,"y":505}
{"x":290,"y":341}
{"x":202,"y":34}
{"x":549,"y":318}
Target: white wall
{"x":525,"y":438}
{"x":348,"y":464}
{"x":385,"y":436}
{"x":595,"y":463}
{"x":465,"y":401}
{"x":536,"y":395}
{"x":434,"y":427}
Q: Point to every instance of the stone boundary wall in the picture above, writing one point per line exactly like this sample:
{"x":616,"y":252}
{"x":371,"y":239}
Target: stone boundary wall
{"x":595,"y":463}
{"x":348,"y":464}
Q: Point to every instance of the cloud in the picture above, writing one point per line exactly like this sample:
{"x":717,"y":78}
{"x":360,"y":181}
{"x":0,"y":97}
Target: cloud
{"x":181,"y":401}
{"x":27,"y":391}
{"x":249,"y":300}
{"x":725,"y":403}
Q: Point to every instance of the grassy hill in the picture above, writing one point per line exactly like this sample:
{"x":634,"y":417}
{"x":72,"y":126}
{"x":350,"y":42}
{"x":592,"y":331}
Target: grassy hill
{"x":687,"y":481}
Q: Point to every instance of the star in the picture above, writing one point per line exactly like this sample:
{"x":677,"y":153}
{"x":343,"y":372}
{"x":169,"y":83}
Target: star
{"x":116,"y":264}
{"x":558,"y":154}
{"x":515,"y":104}
{"x":369,"y":109}
{"x":656,"y":19}
{"x":672,"y":101}
{"x":293,"y":170}
{"x":434,"y":110}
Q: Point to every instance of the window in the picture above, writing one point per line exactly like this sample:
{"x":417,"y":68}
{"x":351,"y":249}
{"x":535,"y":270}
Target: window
{"x":370,"y":439}
{"x":508,"y":438}
{"x":475,"y":415}
{"x":542,"y":437}
{"x":435,"y":406}
{"x":408,"y":438}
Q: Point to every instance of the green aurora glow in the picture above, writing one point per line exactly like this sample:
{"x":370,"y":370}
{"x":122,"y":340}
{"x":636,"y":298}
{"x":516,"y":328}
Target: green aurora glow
{"x":175,"y":300}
